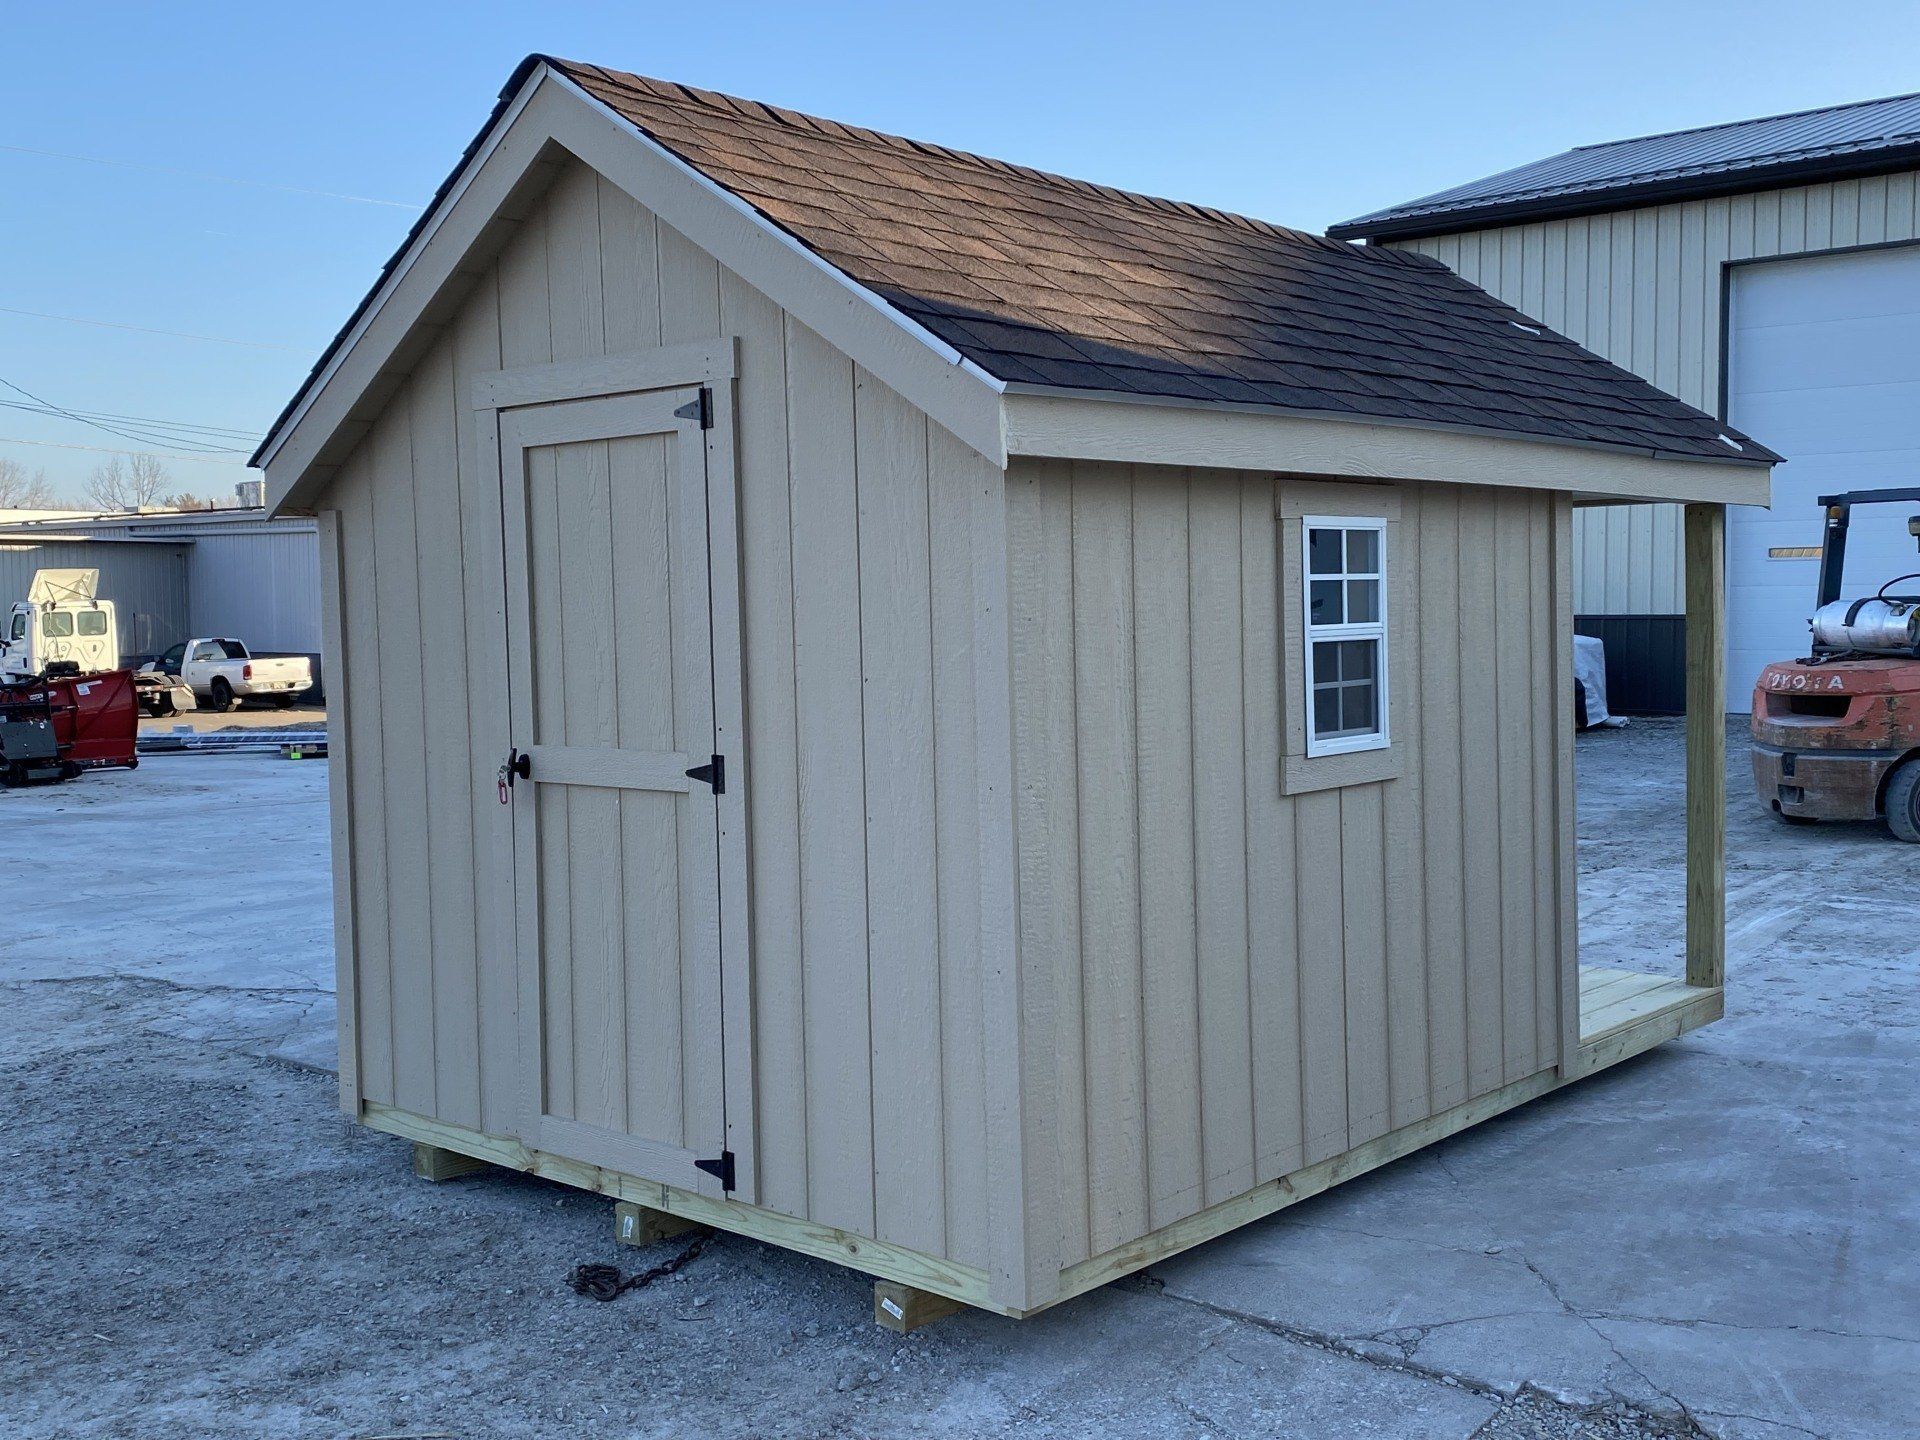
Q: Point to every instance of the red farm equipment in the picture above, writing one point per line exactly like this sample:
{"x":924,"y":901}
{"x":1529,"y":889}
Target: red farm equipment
{"x":55,"y":725}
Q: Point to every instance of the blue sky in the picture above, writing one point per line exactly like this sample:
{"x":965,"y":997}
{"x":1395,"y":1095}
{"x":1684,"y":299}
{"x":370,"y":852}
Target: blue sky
{"x":1300,"y":114}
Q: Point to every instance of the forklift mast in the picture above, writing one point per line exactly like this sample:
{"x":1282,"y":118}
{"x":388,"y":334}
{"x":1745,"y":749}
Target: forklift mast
{"x":1839,"y":508}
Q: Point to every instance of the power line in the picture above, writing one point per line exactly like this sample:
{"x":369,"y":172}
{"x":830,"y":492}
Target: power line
{"x":206,"y":175}
{"x":145,"y":438}
{"x":233,"y":431}
{"x":149,"y":330}
{"x":109,"y":450}
{"x":209,"y":432}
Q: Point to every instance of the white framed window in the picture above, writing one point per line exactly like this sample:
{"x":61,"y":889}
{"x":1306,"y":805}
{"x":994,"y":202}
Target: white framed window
{"x":1344,"y":583}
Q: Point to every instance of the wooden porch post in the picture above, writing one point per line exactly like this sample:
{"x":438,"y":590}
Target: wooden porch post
{"x":1706,"y":745}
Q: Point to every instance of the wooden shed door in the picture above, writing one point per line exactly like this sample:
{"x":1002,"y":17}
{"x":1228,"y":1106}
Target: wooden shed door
{"x":615,"y":845}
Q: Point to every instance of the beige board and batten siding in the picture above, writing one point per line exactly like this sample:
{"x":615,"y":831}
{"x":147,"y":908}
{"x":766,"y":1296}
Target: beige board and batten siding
{"x":1250,"y":981}
{"x":1644,"y":288}
{"x":864,"y":814}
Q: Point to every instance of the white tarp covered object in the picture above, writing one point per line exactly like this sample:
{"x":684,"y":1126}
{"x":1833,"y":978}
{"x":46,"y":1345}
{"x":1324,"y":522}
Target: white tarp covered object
{"x":51,"y":587}
{"x":1590,"y":669}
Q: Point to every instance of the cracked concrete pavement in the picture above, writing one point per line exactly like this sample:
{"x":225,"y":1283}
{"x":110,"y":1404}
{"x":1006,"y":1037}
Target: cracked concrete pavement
{"x":1718,"y":1238}
{"x":1725,"y":1227}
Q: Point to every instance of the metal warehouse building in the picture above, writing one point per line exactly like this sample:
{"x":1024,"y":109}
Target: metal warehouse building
{"x":1765,"y":271}
{"x":176,"y":574}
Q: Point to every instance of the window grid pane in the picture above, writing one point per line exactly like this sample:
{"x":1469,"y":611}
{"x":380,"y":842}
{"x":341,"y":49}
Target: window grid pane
{"x":1345,"y":698}
{"x":1326,"y":709}
{"x":1346,"y":594}
{"x":1323,"y":552}
{"x":1363,"y":552}
{"x":1356,"y":708}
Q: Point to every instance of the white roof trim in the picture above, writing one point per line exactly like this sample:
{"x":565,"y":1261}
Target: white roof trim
{"x":1071,"y":426}
{"x":1346,"y":417}
{"x":316,"y":383}
{"x":826,"y":267}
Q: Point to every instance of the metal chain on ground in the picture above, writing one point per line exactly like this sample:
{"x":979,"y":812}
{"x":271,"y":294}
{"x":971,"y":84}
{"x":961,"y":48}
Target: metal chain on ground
{"x":604,"y":1282}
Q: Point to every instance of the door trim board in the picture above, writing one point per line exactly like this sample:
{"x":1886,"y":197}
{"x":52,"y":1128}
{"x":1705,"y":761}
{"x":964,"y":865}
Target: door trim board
{"x":665,"y":367}
{"x":611,"y":769}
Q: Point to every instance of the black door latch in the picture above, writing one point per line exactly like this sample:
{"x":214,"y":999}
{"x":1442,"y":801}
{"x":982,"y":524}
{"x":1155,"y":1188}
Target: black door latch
{"x":517,"y":766}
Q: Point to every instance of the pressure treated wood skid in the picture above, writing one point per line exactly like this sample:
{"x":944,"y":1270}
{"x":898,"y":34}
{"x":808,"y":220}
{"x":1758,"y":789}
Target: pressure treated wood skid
{"x":1622,"y":1014}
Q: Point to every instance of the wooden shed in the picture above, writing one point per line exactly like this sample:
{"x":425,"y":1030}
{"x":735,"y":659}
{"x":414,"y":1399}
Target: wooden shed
{"x":1034,"y":722}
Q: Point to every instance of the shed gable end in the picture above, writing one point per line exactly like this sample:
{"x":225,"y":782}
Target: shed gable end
{"x":860,"y":541}
{"x":545,"y":125}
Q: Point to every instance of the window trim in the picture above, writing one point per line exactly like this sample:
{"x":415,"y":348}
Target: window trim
{"x":1376,"y":630}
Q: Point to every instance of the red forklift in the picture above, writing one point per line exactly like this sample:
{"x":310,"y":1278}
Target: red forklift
{"x":1836,"y":736}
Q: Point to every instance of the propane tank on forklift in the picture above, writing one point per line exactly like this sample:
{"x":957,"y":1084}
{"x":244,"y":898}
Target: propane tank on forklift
{"x":1836,"y":734}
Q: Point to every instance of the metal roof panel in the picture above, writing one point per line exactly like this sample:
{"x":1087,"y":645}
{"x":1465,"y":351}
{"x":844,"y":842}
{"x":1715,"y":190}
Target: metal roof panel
{"x":1713,"y":159}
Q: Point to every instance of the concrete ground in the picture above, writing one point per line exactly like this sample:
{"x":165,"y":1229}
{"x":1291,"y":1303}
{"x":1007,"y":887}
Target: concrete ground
{"x":1718,"y":1238}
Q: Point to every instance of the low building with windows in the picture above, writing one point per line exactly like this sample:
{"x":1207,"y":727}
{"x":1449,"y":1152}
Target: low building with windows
{"x":1766,"y":271}
{"x":974,"y":724}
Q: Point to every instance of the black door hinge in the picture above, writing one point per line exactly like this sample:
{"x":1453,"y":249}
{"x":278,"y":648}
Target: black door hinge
{"x":713,"y":773}
{"x":699,"y":408}
{"x":721,"y":1169}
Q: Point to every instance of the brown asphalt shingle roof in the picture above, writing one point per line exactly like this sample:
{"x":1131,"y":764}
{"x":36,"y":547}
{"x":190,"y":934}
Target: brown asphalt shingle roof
{"x":1046,"y":281}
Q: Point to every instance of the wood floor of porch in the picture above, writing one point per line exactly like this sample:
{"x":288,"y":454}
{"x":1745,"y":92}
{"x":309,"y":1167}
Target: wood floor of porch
{"x":1623,"y":1012}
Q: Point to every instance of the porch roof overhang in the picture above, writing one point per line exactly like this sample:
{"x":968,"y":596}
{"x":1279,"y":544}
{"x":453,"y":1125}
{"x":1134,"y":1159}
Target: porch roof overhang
{"x":1077,"y":426}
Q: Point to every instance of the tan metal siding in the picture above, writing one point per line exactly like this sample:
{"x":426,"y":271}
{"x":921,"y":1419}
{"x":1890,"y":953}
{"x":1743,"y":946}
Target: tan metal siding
{"x":858,"y":521}
{"x":1261,"y":980}
{"x":1645,"y":289}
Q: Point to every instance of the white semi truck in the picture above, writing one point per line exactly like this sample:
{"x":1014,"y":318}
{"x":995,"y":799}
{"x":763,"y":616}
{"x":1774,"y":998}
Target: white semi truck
{"x":62,"y":618}
{"x":63,"y":621}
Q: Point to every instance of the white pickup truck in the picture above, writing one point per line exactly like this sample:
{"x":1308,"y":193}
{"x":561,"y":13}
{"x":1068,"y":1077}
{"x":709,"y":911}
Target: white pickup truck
{"x":221,"y":673}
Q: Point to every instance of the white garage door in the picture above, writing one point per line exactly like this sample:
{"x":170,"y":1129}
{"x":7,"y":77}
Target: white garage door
{"x":1824,"y":366}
